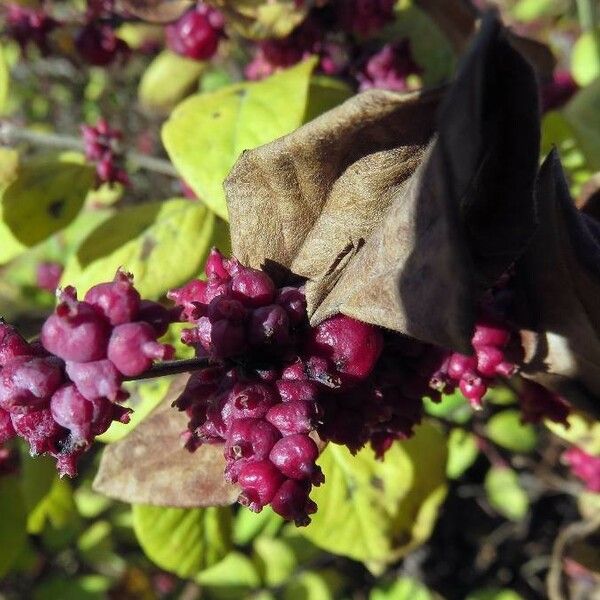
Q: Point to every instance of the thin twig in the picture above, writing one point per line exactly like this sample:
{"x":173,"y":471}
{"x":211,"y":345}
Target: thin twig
{"x":11,"y":134}
{"x":172,"y":367}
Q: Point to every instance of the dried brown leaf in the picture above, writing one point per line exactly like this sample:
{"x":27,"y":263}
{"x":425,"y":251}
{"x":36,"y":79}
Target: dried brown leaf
{"x":387,"y":223}
{"x":151,"y":466}
{"x":156,"y":11}
{"x":558,"y":282}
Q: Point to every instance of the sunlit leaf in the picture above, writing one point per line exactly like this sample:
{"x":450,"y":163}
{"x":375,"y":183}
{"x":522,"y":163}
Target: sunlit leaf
{"x":462,"y":452}
{"x":167,"y":80}
{"x":380,"y":510}
{"x":581,"y":431}
{"x":162,"y":243}
{"x":403,"y":588}
{"x":4,"y":80}
{"x":183,"y":541}
{"x":44,"y":198}
{"x":207,"y":132}
{"x":506,"y":429}
{"x":505,"y":494}
{"x":585,"y":58}
{"x":232,"y":578}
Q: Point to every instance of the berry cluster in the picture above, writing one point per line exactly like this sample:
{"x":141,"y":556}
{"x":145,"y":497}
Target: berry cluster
{"x":102,"y":147}
{"x":196,"y":33}
{"x":475,"y":373}
{"x":60,"y":392}
{"x":389,"y":68}
{"x":364,"y":17}
{"x":98,"y":45}
{"x":29,"y":26}
{"x":584,"y":466}
{"x":274,"y":382}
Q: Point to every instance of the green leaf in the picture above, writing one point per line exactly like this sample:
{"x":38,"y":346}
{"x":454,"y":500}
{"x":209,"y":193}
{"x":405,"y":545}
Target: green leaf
{"x":57,"y":508}
{"x":248,"y":525}
{"x":585,"y":58}
{"x":312,"y":585}
{"x":584,"y":117}
{"x":506,"y":429}
{"x":12,"y":522}
{"x":37,"y":478}
{"x":403,"y":588}
{"x":501,"y":395}
{"x":96,"y":548}
{"x":89,"y":504}
{"x":232,"y":578}
{"x":4,"y":80}
{"x":183,"y":541}
{"x":324,"y":93}
{"x":167,"y":80}
{"x":453,"y":407}
{"x":530,"y":10}
{"x":462,"y":452}
{"x":206,"y":133}
{"x":144,"y":397}
{"x":275,"y":560}
{"x":429,"y":46}
{"x":505,"y":494}
{"x":162,"y":243}
{"x":380,"y":510}
{"x":44,"y":198}
{"x":557,"y":131}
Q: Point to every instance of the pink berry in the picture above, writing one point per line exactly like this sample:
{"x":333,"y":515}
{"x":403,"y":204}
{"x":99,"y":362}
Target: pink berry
{"x":75,"y":331}
{"x":118,"y":300}
{"x":291,"y":502}
{"x":473,"y":388}
{"x":98,"y":45}
{"x":39,"y":429}
{"x":12,"y":344}
{"x":216,"y":266}
{"x":259,"y":481}
{"x":295,"y":456}
{"x":196,"y":34}
{"x":269,"y":325}
{"x":292,"y":299}
{"x":488,"y":360}
{"x":250,"y":438}
{"x":156,"y":315}
{"x":7,"y":431}
{"x":48,"y":275}
{"x":98,"y":379}
{"x":293,"y":417}
{"x":253,"y":288}
{"x":133,"y":347}
{"x":294,"y":391}
{"x":459,"y":364}
{"x":252,"y":400}
{"x":489,"y":333}
{"x":73,"y":412}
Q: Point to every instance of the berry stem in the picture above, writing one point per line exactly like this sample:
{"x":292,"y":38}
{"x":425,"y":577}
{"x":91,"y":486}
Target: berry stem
{"x":172,"y":367}
{"x":11,"y":134}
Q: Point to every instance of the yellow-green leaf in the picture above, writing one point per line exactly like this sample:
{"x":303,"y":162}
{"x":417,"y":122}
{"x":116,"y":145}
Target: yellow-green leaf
{"x":380,"y":510}
{"x":44,"y":198}
{"x":183,"y":541}
{"x":505,"y":494}
{"x":232,"y":578}
{"x":507,"y":430}
{"x":325,"y":93}
{"x":403,"y":588}
{"x":585,"y":58}
{"x":462,"y":452}
{"x":167,"y":80}
{"x":207,"y":132}
{"x":162,"y":243}
{"x":581,"y":431}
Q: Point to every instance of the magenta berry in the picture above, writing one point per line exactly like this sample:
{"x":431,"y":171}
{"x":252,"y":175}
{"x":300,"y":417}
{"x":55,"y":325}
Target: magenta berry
{"x":12,"y":344}
{"x":473,"y":387}
{"x":118,"y":300}
{"x":7,"y":431}
{"x":97,"y":379}
{"x":72,"y":411}
{"x":98,"y":45}
{"x":75,"y":331}
{"x":291,"y":501}
{"x":48,"y":275}
{"x":156,"y":315}
{"x":489,"y":359}
{"x":459,"y":364}
{"x":260,"y":482}
{"x":351,"y":345}
{"x":293,"y":300}
{"x":293,"y":417}
{"x":196,"y":34}
{"x":269,"y":325}
{"x":585,"y":466}
{"x":295,"y":456}
{"x":488,"y":333}
{"x":133,"y":347}
{"x":39,"y":429}
{"x":297,"y":391}
{"x":250,"y":438}
{"x":252,"y":400}
{"x":252,"y":287}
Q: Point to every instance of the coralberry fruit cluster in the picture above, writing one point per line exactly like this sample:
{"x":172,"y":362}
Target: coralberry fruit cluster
{"x":29,"y":26}
{"x":60,"y":392}
{"x":584,"y":466}
{"x":102,"y":147}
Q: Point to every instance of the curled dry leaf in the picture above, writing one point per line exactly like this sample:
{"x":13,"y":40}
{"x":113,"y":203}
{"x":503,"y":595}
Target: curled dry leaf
{"x":393,"y":220}
{"x":156,"y":11}
{"x":558,"y":282}
{"x":151,"y":466}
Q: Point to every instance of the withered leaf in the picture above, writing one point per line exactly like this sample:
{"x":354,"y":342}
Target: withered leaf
{"x":151,"y":466}
{"x":387,"y":221}
{"x":558,"y":283}
{"x":156,"y":11}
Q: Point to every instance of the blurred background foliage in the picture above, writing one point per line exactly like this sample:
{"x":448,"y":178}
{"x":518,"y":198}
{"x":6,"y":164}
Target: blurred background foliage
{"x":469,"y":508}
